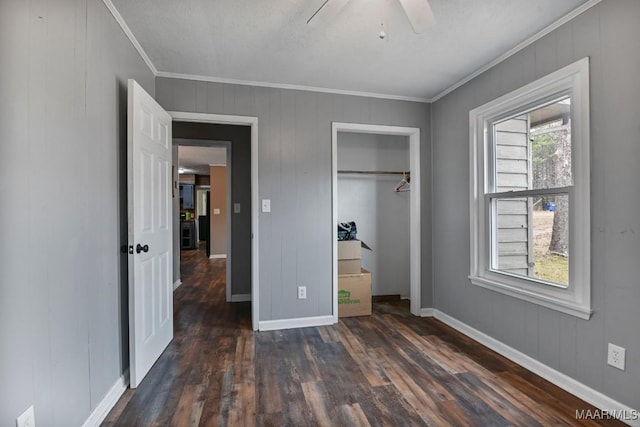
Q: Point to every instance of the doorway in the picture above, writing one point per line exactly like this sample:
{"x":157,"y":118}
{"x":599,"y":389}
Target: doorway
{"x":204,"y":205}
{"x":413,"y":135}
{"x":250,"y":206}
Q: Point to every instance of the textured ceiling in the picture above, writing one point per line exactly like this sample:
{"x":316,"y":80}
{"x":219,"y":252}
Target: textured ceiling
{"x":268,"y":41}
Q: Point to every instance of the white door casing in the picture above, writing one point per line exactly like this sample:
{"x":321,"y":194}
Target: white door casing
{"x":181,"y":116}
{"x":149,"y":230}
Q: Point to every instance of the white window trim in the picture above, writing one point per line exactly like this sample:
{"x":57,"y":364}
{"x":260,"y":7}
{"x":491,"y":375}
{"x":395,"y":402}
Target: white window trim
{"x":575,"y":299}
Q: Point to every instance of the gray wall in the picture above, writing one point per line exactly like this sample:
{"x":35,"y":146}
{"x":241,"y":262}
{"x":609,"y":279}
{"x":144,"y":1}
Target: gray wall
{"x":240,"y":140}
{"x":607,"y":34}
{"x":63,"y":300}
{"x":381,"y":213}
{"x":295,"y":173}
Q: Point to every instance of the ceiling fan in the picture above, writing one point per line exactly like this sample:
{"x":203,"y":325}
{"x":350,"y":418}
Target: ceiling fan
{"x":418,"y":11}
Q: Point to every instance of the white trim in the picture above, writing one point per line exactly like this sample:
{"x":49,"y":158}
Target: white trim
{"x":537,"y":36}
{"x":334,"y":220}
{"x":181,"y":116}
{"x":550,"y":301}
{"x":301,"y":322}
{"x":127,"y":31}
{"x":427,"y":312}
{"x":217,"y":256}
{"x":415,"y":240}
{"x":574,"y":299}
{"x":240,"y":298}
{"x":100,"y":412}
{"x":177,"y":284}
{"x":561,"y":380}
{"x":289,"y":86}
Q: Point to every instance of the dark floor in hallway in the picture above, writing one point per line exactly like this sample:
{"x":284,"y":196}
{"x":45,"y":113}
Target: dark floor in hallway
{"x":386,"y":369}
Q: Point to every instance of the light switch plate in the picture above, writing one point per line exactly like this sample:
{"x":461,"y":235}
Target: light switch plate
{"x":266,"y":205}
{"x":236,"y":208}
{"x":216,"y":211}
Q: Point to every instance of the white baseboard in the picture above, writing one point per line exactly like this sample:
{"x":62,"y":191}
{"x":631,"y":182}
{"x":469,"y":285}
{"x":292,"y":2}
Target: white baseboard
{"x":302,"y":322}
{"x":107,"y":403}
{"x":427,"y":312}
{"x":217,"y":256}
{"x":177,"y":284}
{"x":584,"y":392}
{"x":241,"y":298}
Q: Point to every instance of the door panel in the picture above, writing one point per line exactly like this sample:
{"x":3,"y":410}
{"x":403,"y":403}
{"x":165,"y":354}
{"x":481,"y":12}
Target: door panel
{"x":150,"y":232}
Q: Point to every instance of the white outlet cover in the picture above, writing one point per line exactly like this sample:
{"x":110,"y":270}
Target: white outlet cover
{"x":616,"y":356}
{"x":216,"y":211}
{"x":27,"y":418}
{"x":266,"y":205}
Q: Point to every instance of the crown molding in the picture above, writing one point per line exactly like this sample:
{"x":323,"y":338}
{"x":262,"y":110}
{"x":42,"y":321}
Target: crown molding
{"x":290,"y":87}
{"x":127,"y":31}
{"x":537,"y":36}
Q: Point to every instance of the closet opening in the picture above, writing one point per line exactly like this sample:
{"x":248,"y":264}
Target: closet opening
{"x":376,"y":184}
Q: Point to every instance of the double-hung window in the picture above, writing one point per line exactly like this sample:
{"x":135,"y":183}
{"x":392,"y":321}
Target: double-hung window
{"x":529,"y":192}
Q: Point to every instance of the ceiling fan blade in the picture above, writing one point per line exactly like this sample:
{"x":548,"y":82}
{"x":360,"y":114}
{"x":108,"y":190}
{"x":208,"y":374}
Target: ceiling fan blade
{"x":327,"y":11}
{"x":419,"y":13}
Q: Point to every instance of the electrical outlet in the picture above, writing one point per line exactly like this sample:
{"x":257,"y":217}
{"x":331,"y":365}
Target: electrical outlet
{"x":302,"y":292}
{"x":27,"y":418}
{"x":615,"y":356}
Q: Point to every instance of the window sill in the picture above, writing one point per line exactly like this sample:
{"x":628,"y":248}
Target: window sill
{"x":572,"y":308}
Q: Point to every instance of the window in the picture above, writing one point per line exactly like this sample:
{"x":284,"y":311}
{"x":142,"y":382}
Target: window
{"x":529,"y":195}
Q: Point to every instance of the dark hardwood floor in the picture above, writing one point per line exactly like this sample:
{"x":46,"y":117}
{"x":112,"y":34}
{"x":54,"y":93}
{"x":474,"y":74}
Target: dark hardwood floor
{"x":388,"y":369}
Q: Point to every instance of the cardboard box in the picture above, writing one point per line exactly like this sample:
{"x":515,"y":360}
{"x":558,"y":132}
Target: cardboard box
{"x":349,"y":249}
{"x":349,"y":256}
{"x":354,"y":294}
{"x":349,"y":266}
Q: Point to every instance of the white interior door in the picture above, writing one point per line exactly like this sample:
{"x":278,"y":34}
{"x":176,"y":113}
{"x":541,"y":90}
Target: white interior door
{"x":150,"y":224}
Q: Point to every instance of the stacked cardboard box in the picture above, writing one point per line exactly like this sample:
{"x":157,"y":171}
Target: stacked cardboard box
{"x":354,"y":283}
{"x":354,"y":294}
{"x":349,"y":256}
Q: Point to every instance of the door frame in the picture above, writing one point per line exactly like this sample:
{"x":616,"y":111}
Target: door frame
{"x":415,"y":239}
{"x":181,"y":116}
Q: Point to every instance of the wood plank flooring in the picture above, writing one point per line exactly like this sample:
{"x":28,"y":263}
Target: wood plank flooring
{"x":388,"y":369}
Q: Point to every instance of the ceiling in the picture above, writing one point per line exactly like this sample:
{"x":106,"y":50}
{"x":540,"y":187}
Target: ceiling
{"x":198,"y":159}
{"x":269,"y":41}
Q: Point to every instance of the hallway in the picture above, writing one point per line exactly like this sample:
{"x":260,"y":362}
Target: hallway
{"x":386,"y":369}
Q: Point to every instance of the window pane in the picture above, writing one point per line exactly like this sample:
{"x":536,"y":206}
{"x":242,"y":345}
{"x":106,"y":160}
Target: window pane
{"x":532,"y":237}
{"x":533,"y":151}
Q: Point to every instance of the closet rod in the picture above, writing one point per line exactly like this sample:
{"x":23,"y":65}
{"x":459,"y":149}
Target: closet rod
{"x":376,"y":172}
